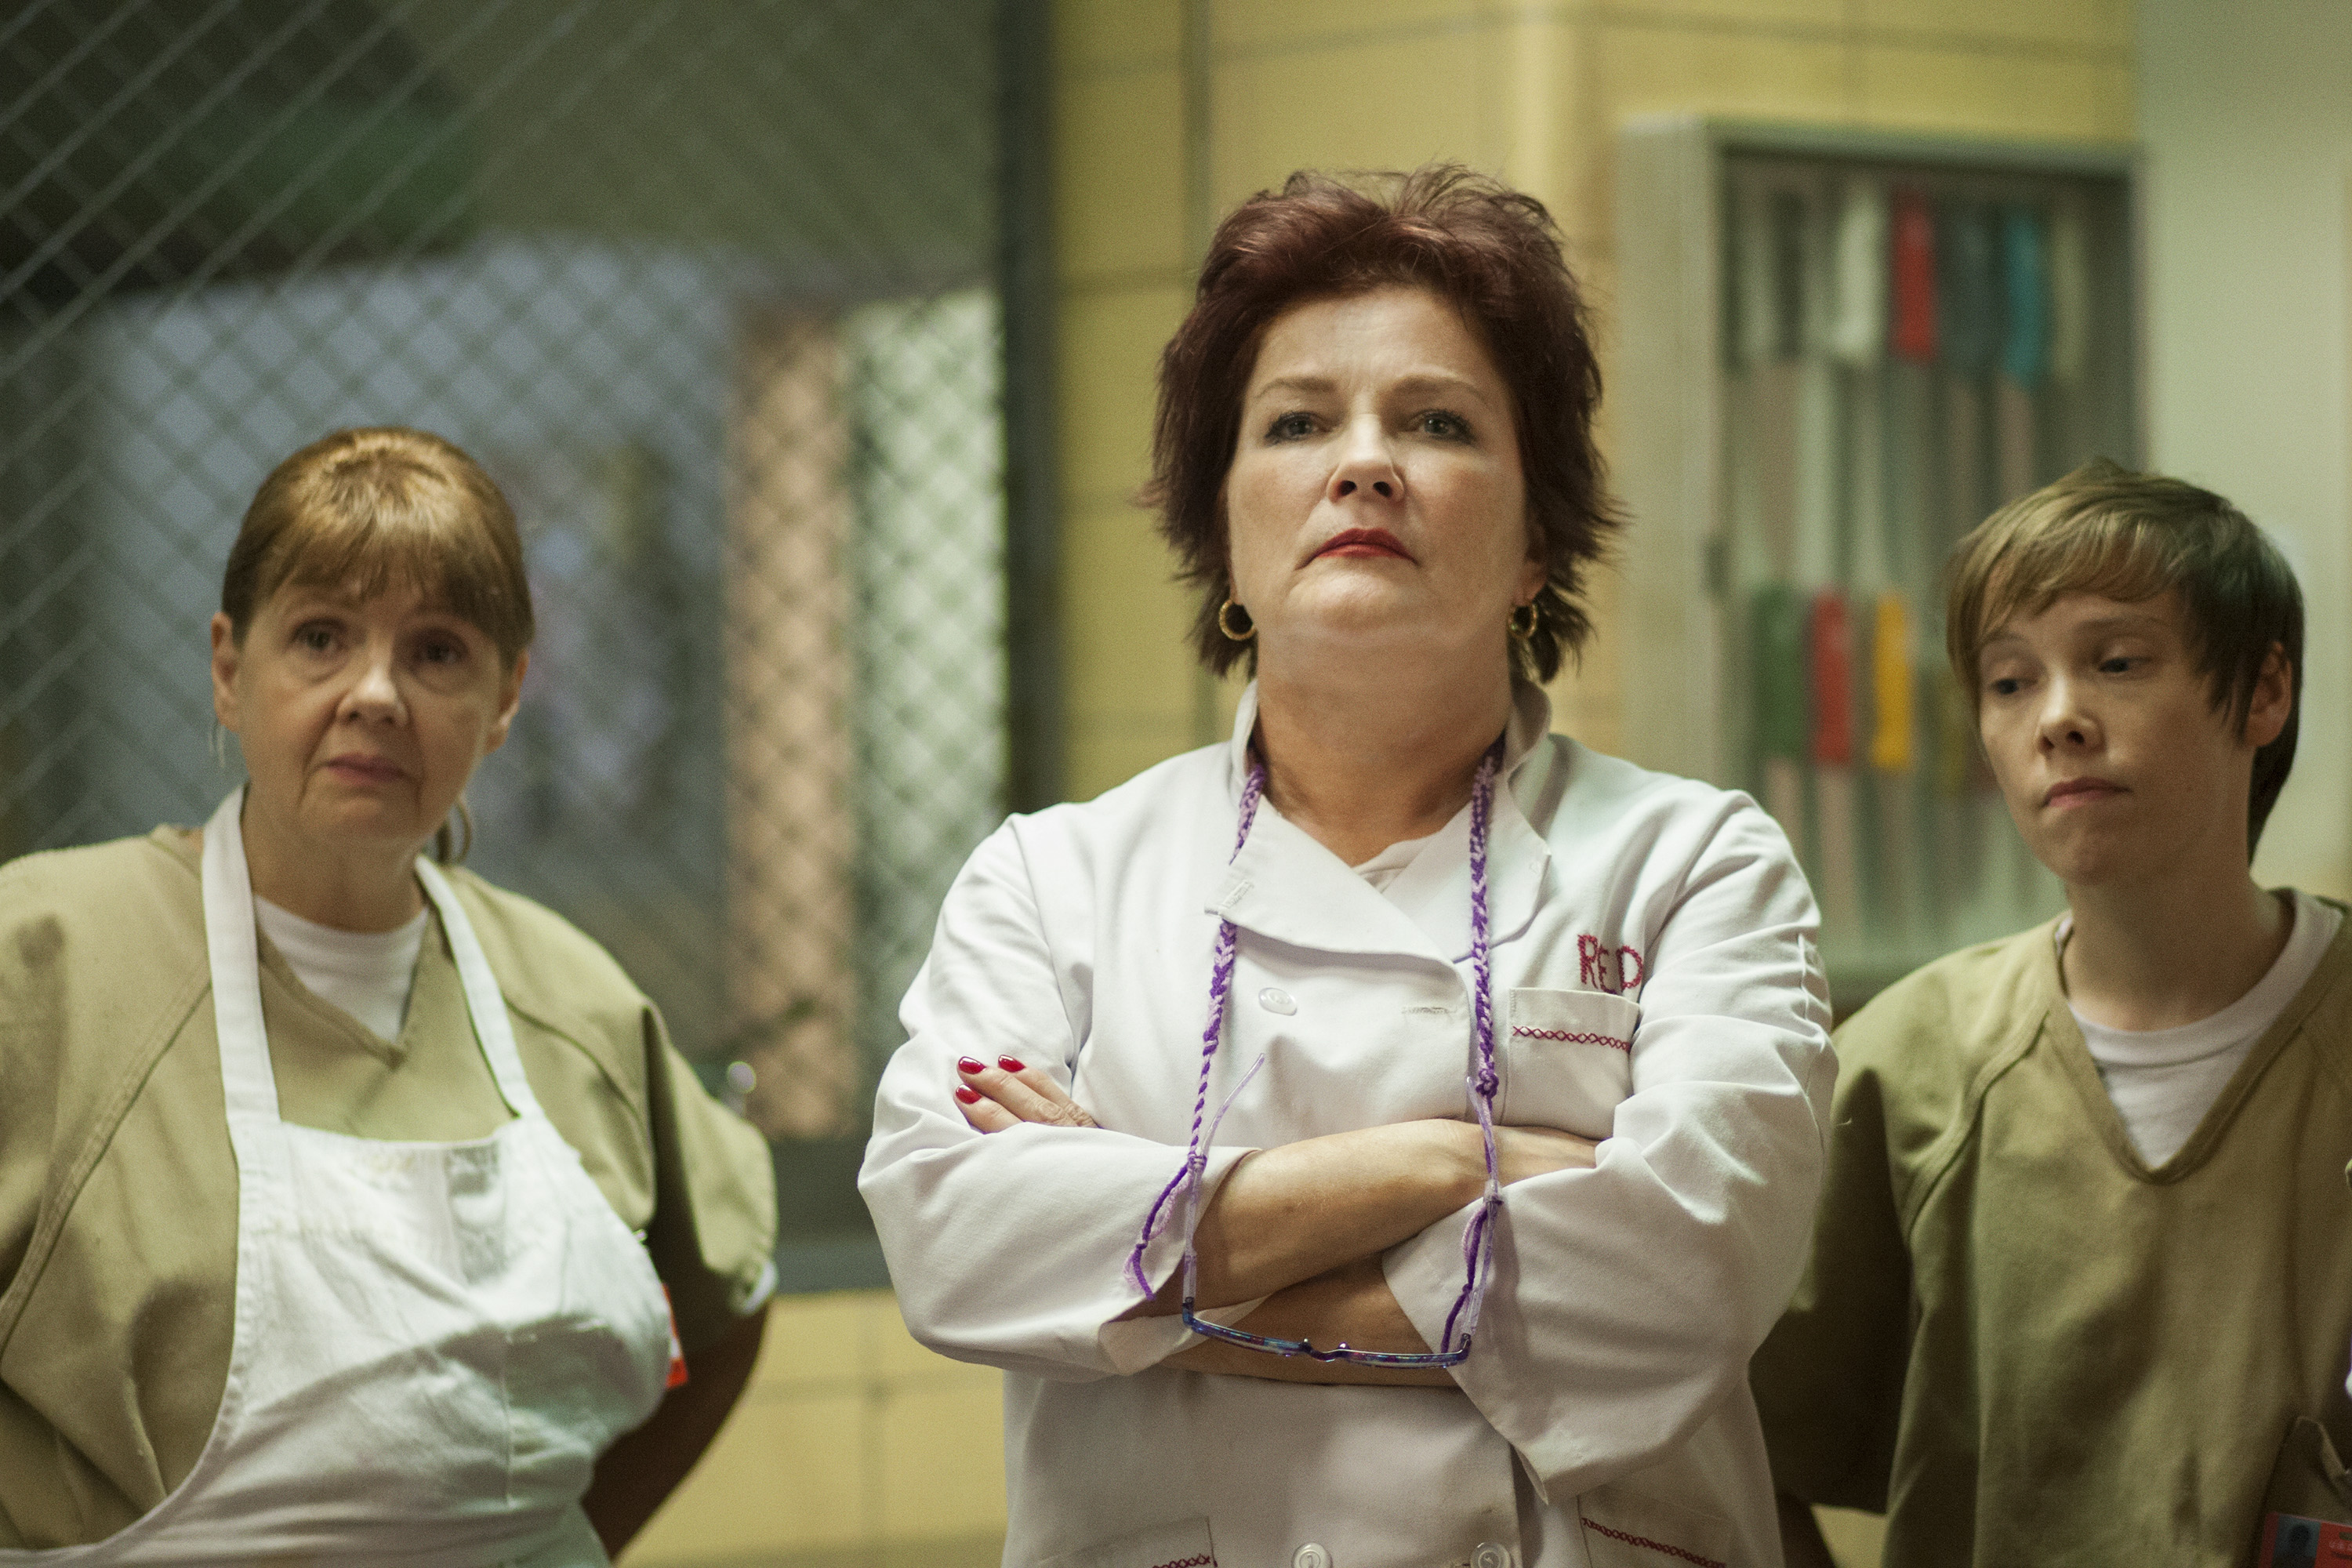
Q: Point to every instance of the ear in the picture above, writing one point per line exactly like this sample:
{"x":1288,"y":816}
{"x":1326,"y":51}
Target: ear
{"x":1535,"y":571}
{"x":227,"y":657}
{"x":509,"y":699}
{"x":2273,"y":701}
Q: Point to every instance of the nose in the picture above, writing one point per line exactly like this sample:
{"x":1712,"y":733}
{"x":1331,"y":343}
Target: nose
{"x":375,"y":693}
{"x":1367,"y":464}
{"x":2064,"y":723}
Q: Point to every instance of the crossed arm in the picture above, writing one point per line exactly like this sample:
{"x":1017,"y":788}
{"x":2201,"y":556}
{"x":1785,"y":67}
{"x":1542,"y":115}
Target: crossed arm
{"x":1304,"y":1224}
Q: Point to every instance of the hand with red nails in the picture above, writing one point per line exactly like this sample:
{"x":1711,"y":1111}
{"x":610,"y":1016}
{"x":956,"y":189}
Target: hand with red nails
{"x":996,"y":1098}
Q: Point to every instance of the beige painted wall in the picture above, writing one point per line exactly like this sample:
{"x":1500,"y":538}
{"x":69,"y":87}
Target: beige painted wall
{"x":855,"y":1446}
{"x":2247,"y":122}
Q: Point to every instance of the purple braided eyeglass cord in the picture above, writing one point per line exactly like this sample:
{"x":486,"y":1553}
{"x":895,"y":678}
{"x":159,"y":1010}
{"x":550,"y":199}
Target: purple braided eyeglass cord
{"x":1478,"y":1240}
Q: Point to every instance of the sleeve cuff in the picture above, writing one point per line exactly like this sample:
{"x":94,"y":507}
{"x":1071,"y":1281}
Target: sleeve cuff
{"x":1132,"y":1344}
{"x":763,"y":1287}
{"x":1137,"y":1343}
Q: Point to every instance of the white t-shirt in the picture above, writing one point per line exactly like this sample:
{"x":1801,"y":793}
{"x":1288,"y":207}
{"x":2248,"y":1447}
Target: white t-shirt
{"x":2162,"y":1081}
{"x":366,"y":974}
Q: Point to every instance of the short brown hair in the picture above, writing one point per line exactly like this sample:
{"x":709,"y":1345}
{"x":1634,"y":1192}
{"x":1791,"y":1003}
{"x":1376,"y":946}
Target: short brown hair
{"x":1495,"y":253}
{"x":2131,"y":537}
{"x":364,"y":508}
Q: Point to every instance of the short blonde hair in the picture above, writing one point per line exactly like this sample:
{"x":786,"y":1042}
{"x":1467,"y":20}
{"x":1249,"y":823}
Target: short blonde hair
{"x":364,"y":508}
{"x":2132,"y":537}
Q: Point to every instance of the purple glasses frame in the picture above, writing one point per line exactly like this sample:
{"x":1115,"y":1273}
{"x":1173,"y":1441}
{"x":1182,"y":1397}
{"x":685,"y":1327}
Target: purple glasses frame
{"x":1477,"y":1241}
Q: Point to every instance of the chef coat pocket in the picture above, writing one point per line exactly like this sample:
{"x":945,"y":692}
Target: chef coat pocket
{"x":1184,"y":1544}
{"x":1626,"y":1529}
{"x":1568,"y":1060}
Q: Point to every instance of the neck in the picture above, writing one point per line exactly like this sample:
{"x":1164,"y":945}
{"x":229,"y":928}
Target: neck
{"x":364,"y":886}
{"x":2156,"y":957}
{"x":1361,"y":764}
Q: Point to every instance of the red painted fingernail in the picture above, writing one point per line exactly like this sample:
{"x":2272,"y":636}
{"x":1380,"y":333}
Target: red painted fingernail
{"x":1010,"y":1064}
{"x":967,"y":1094}
{"x":966,"y":1064}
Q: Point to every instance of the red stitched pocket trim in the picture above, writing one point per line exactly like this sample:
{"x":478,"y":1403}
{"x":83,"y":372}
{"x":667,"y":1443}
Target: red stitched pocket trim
{"x":1644,"y":1541}
{"x":1575,"y":1038}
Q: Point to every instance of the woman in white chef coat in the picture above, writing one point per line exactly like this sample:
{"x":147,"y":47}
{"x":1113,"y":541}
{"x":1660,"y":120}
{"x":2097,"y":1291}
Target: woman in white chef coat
{"x":1190,"y":1133}
{"x":341,"y":1192}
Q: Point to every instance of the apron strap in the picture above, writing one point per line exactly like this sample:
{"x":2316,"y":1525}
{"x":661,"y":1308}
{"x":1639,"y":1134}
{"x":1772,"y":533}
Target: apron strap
{"x":483,"y":999}
{"x":233,"y":950}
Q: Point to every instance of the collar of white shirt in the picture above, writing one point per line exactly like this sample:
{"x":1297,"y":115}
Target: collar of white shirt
{"x":1286,"y":886}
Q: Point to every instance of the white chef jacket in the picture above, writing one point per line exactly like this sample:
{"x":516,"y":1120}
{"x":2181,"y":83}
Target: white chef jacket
{"x":1655,"y":985}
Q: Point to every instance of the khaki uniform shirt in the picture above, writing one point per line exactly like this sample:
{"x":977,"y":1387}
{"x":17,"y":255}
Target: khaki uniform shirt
{"x":2024,"y":1344}
{"x":119,"y":1187}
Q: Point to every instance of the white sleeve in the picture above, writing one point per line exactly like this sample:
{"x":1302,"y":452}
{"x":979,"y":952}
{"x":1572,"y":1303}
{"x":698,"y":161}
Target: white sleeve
{"x":1011,"y":1248}
{"x":1627,"y":1298}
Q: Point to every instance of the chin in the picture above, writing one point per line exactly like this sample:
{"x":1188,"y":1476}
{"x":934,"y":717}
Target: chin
{"x":360,"y":822}
{"x":1371,"y":615}
{"x":2090,"y":865}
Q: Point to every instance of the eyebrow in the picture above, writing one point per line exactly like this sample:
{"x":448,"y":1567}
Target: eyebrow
{"x":1422,"y":382}
{"x":311,"y":596}
{"x":2104,"y":624}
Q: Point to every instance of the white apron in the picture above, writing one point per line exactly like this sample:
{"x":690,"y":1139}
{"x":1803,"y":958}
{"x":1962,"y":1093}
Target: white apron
{"x":433,"y":1342}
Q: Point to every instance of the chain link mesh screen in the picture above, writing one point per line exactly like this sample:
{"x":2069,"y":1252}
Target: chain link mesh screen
{"x":708,"y":286}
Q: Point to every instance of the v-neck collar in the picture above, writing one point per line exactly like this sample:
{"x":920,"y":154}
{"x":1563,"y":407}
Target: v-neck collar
{"x":434,"y":993}
{"x":2073,"y":1056}
{"x":1285,"y":885}
{"x":434,"y":997}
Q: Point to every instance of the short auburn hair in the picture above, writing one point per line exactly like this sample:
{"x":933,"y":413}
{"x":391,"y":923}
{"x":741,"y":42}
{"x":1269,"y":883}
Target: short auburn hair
{"x":1494,"y":255}
{"x":362,"y":510}
{"x":2133,"y":537}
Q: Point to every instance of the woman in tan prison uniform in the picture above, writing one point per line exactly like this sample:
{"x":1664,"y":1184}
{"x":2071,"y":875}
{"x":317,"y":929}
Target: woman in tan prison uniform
{"x":370,"y":1283}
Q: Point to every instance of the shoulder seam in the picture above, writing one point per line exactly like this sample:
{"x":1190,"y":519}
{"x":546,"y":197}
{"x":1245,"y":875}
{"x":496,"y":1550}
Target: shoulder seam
{"x":66,"y":1179}
{"x":636,"y":1102}
{"x":1945,"y":1151}
{"x":2334,"y":958}
{"x":1029,"y":882}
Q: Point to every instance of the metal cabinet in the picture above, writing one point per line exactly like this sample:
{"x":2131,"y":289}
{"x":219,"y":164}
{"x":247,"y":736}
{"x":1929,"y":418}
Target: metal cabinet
{"x":1837,"y":352}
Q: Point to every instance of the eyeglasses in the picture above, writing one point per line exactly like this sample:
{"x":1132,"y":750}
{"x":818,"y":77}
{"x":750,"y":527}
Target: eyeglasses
{"x":1477,"y":1241}
{"x":1478,"y":1248}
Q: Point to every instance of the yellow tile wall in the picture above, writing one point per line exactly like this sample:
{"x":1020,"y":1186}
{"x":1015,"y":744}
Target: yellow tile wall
{"x":852,"y":1448}
{"x":854,"y":1445}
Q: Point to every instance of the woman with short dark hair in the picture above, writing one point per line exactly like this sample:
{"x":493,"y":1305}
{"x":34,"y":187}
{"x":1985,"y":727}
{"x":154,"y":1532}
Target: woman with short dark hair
{"x":1381,"y":1138}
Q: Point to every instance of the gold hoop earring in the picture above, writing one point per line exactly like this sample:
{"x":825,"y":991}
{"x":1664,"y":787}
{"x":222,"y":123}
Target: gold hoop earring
{"x":1225,"y":621}
{"x":1522,"y":629}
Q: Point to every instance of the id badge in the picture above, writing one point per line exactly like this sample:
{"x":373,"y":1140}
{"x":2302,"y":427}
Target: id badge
{"x":2290,"y":1541}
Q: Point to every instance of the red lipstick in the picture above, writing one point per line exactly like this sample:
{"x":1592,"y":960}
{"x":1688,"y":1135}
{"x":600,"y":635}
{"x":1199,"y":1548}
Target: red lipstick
{"x":1363,"y":542}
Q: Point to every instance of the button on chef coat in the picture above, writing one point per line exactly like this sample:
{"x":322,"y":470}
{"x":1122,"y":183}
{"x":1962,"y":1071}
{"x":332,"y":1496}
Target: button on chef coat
{"x":1654,"y":978}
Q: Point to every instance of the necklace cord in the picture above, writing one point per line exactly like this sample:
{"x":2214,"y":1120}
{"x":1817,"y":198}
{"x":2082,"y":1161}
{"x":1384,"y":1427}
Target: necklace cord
{"x":1478,"y":1239}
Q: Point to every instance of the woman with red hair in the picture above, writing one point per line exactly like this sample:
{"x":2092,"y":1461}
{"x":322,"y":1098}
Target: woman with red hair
{"x":1381,"y":1138}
